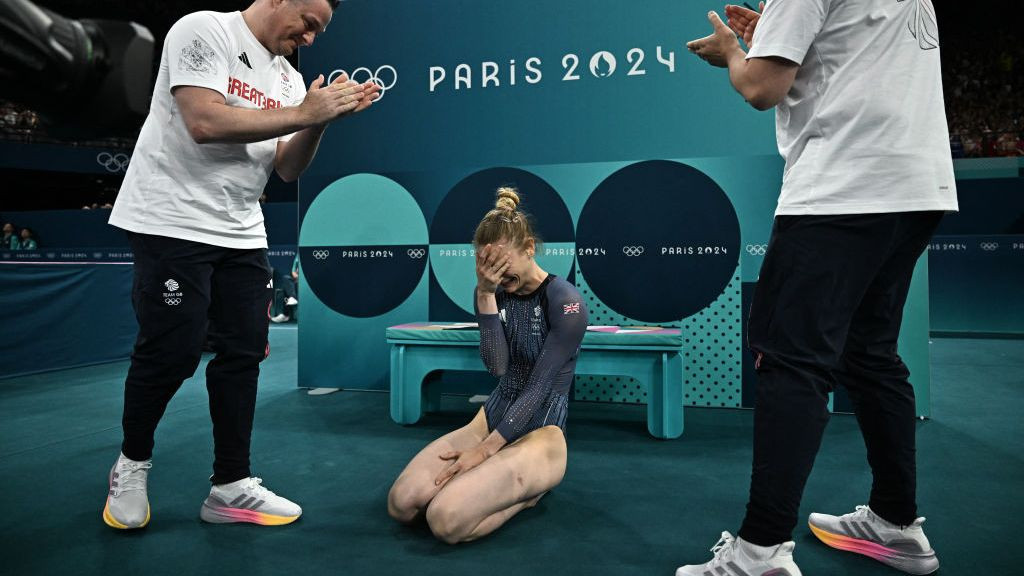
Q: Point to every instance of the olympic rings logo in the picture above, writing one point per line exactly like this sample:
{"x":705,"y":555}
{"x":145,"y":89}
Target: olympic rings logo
{"x":113,"y":162}
{"x":321,"y":254}
{"x":386,"y":81}
{"x":632,"y":251}
{"x":757,"y":249}
{"x":416,"y":253}
{"x":989,"y":246}
{"x":172,"y":301}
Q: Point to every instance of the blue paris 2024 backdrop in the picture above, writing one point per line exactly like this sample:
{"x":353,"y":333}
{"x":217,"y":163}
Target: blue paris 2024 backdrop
{"x":652,"y":182}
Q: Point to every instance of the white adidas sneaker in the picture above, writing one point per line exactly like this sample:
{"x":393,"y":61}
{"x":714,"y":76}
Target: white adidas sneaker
{"x":905,"y":548}
{"x":248,"y":501}
{"x":127,"y":504}
{"x":737,"y":557}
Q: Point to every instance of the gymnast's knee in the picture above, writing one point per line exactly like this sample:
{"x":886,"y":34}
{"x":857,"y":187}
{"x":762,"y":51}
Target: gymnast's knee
{"x":405,"y":502}
{"x":447,"y":520}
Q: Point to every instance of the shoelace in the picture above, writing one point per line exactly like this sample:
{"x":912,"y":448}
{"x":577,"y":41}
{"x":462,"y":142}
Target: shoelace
{"x":865,"y":513}
{"x":254,"y":485}
{"x":721,"y":549}
{"x":129,"y":477}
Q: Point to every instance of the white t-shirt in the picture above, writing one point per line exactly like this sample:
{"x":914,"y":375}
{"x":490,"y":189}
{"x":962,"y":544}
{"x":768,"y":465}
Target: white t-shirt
{"x":206,"y":193}
{"x":863,"y":129}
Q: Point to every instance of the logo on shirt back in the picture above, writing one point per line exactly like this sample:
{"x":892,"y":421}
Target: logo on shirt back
{"x":922,"y":25}
{"x":245,"y":59}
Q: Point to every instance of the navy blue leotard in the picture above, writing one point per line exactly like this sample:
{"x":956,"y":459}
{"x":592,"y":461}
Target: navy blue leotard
{"x":531,"y":344}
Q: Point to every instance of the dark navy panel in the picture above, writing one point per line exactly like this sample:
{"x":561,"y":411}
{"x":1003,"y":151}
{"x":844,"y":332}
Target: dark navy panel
{"x":658,"y":241}
{"x":466,"y":203}
{"x":363,"y":281}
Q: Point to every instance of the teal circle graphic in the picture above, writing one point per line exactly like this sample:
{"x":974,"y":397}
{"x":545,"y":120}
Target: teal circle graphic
{"x":363,"y":245}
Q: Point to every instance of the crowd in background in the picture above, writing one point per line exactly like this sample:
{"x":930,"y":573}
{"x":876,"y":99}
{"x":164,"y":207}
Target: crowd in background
{"x":21,"y":123}
{"x":13,"y":239}
{"x":17,"y":120}
{"x":984,"y":91}
{"x":102,"y":198}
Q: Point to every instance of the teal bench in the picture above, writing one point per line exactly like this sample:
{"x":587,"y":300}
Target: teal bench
{"x":652,"y":356}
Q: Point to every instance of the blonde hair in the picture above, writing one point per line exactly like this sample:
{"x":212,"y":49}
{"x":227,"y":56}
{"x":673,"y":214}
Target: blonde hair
{"x":505,"y":221}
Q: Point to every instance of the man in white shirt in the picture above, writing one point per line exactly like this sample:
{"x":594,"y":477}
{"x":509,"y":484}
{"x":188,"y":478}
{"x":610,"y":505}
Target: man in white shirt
{"x":861,"y":124}
{"x":227,"y":109}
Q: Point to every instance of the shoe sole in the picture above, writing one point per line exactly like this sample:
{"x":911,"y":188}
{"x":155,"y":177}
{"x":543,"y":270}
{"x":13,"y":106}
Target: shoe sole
{"x":109,"y":519}
{"x":917,"y":564}
{"x":231,"y":515}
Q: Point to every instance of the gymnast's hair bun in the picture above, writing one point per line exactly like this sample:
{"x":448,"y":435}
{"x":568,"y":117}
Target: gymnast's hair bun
{"x":507,"y":199}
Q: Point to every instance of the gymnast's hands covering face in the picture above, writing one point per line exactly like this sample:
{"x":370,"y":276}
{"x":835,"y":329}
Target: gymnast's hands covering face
{"x":460,"y":462}
{"x":492,"y":261}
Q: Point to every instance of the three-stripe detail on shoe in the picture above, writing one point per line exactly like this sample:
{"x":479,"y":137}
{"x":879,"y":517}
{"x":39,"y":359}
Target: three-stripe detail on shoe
{"x":860,"y":530}
{"x":247,"y":502}
{"x":733,"y":570}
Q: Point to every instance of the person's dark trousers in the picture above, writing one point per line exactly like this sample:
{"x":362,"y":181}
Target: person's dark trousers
{"x":827,"y":309}
{"x":285,"y":283}
{"x":181,"y":287}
